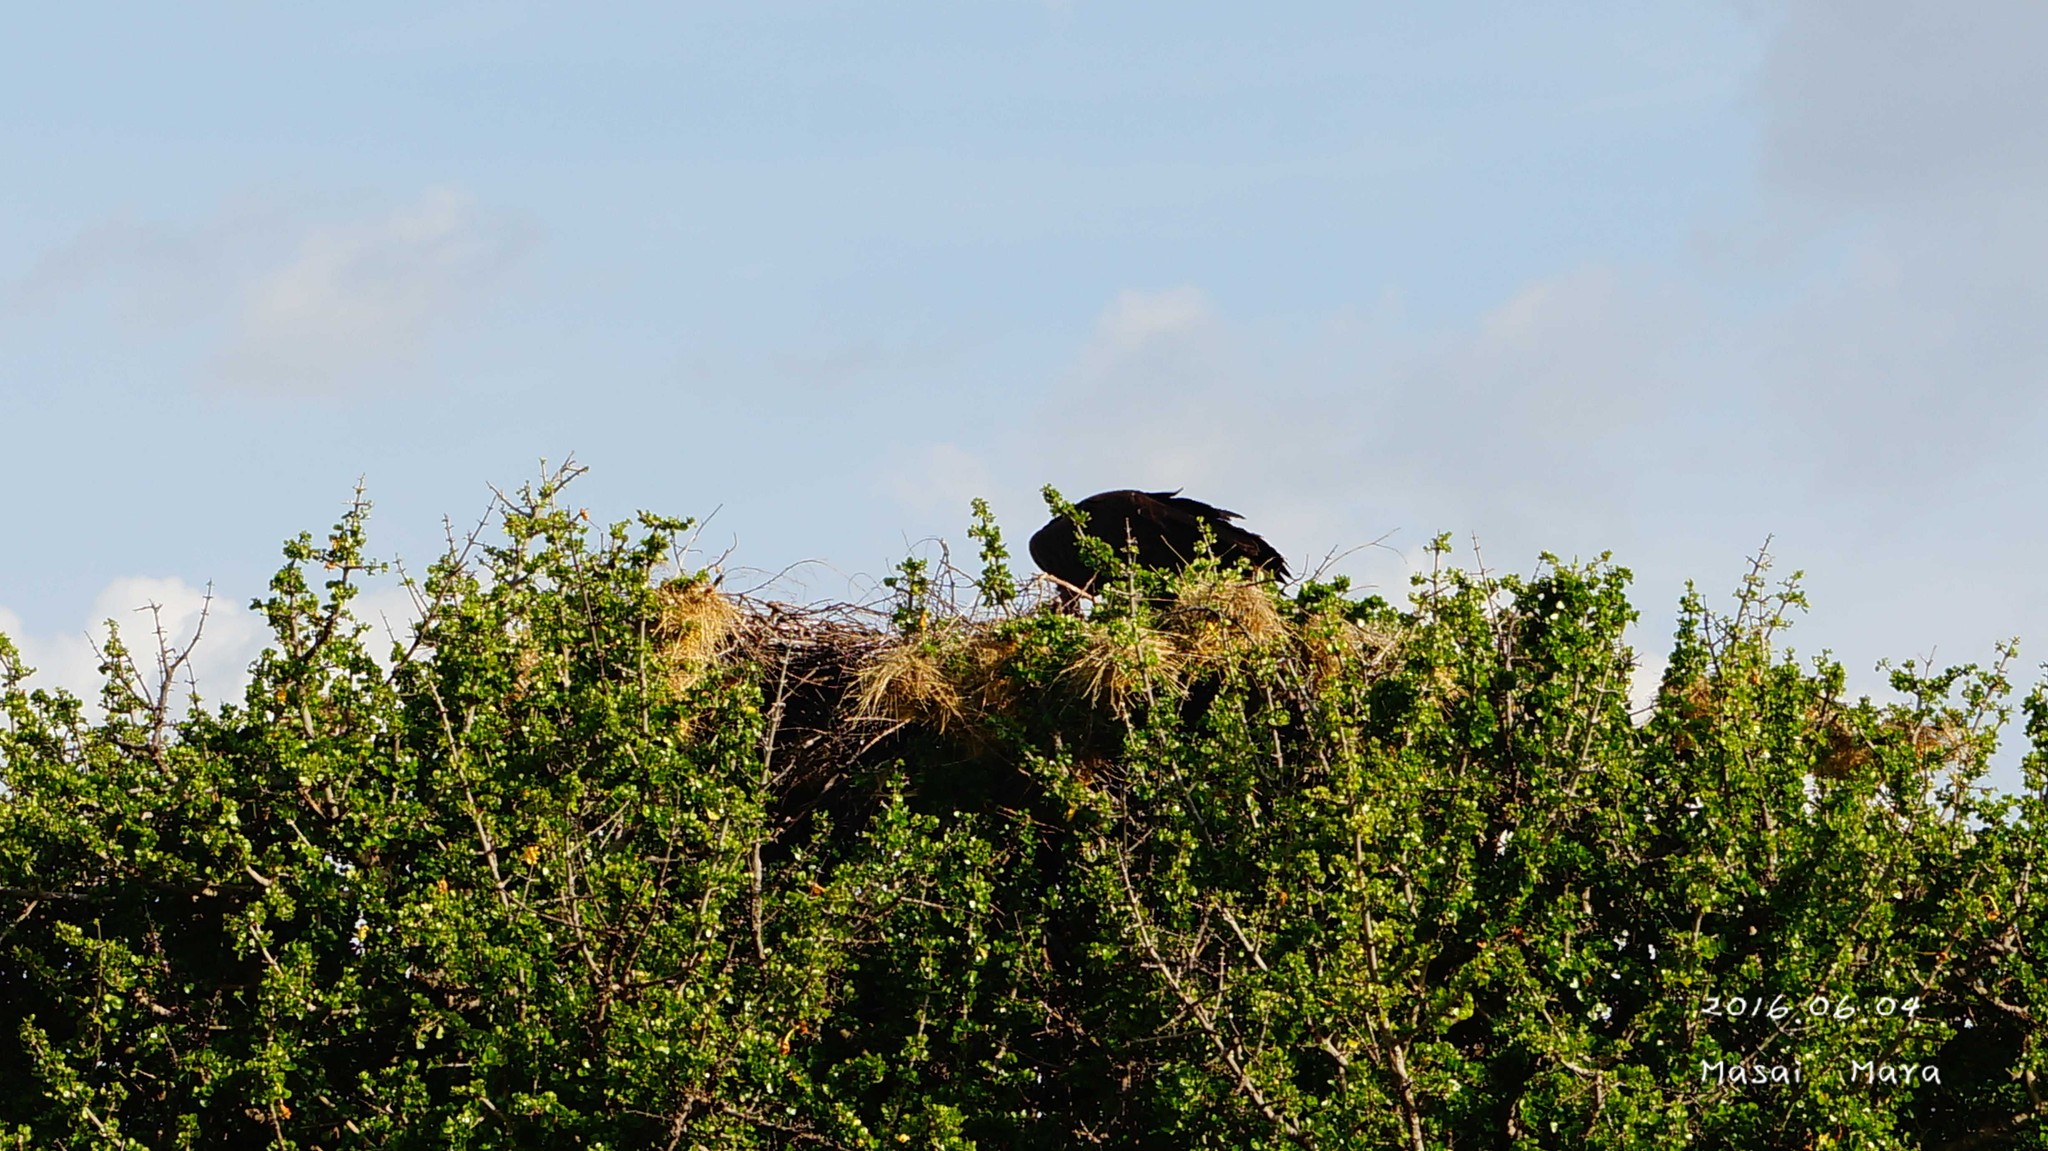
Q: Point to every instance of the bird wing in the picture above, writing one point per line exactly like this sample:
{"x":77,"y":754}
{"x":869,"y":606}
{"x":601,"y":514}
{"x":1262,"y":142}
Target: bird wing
{"x":1181,"y":519}
{"x":1166,"y":527}
{"x":1189,"y":506}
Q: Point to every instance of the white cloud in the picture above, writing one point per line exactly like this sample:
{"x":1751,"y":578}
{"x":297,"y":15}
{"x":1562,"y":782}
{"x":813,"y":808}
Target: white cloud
{"x":391,"y":612}
{"x":1540,"y":409}
{"x":1149,"y":399}
{"x":1135,"y":319}
{"x":366,"y":298}
{"x":234,"y":636}
{"x":65,"y":662}
{"x":219,"y":662}
{"x":281,"y":300}
{"x":1552,"y":381}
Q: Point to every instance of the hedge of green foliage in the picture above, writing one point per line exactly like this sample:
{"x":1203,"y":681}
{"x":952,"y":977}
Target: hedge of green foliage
{"x":1212,"y":866}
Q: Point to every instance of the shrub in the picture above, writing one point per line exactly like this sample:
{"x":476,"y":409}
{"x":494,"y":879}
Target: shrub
{"x":603,"y":857}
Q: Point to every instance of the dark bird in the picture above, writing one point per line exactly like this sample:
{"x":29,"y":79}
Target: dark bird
{"x":1162,"y":530}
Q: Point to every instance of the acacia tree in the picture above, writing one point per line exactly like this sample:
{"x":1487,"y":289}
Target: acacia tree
{"x":1212,"y":866}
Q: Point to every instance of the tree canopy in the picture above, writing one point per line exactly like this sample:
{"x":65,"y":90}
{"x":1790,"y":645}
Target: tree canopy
{"x":599,"y":856}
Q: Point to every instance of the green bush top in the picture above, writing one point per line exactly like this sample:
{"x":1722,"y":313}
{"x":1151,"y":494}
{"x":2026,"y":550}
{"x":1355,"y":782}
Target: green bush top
{"x":604,"y":858}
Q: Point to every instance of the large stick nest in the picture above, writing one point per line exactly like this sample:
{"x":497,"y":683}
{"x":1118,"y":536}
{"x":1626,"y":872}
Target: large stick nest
{"x":848,"y":689}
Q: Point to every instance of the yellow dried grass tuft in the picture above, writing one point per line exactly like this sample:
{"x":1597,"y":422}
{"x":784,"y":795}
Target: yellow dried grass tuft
{"x":1844,"y":752}
{"x":694,"y":621}
{"x":1333,"y":647}
{"x":1215,"y":617}
{"x":525,"y":661}
{"x":982,"y":676}
{"x":1124,"y":661}
{"x":907,"y":682}
{"x":693,"y":626}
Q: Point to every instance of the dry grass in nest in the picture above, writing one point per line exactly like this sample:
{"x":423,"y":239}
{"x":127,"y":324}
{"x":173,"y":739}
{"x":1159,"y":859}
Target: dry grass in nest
{"x":983,"y":677}
{"x":906,"y":682}
{"x":692,"y":629}
{"x":1336,"y":647}
{"x":1842,"y":752}
{"x":1125,"y":660}
{"x":1947,"y":742}
{"x":693,"y":626}
{"x":694,"y":623}
{"x":1216,"y":617}
{"x":525,"y":661}
{"x":1695,"y":699}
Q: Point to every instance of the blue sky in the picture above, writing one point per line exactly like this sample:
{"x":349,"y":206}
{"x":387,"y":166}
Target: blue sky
{"x":1658,"y":278}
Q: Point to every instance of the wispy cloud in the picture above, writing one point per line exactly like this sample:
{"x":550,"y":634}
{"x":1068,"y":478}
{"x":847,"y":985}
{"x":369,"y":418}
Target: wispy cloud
{"x":1535,"y":408}
{"x":154,"y":274}
{"x":286,"y":303}
{"x":1152,"y":398}
{"x":1135,"y":319}
{"x":365,"y":298}
{"x":219,"y":663}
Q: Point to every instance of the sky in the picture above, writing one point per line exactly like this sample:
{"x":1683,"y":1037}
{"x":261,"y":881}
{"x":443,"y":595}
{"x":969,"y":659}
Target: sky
{"x":1663,"y":279}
